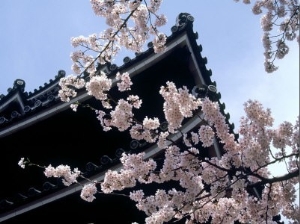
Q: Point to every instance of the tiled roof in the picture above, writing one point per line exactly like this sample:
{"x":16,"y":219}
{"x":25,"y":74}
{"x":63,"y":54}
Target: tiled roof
{"x":28,"y":104}
{"x":19,"y":107}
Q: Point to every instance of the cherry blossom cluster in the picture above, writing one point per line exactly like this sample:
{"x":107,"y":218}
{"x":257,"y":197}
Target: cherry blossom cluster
{"x":88,"y":192}
{"x":215,"y":118}
{"x":146,"y":131}
{"x":130,"y":25}
{"x":179,"y":104}
{"x":125,"y":83}
{"x":188,"y":141}
{"x":68,"y":86}
{"x":234,"y":185}
{"x":279,"y":16}
{"x":249,"y":157}
{"x":98,"y":86}
{"x":205,"y":184}
{"x":134,"y":168}
{"x":206,"y":135}
{"x":216,"y":189}
{"x":257,"y":137}
{"x":68,"y":176}
{"x":122,"y":116}
{"x":193,"y":173}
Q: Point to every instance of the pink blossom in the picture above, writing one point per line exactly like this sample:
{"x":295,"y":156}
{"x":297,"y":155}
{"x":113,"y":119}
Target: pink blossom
{"x":98,"y":86}
{"x":88,"y":191}
{"x":63,"y":171}
{"x":206,"y":135}
{"x":125,"y":83}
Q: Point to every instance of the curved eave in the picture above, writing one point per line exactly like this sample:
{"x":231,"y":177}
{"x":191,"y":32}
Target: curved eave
{"x":142,"y":62}
{"x":15,"y":96}
{"x":183,"y":37}
{"x":149,"y":153}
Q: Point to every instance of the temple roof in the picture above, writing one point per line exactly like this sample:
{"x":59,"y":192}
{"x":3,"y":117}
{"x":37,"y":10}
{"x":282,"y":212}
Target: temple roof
{"x":39,"y":126}
{"x":18,"y":105}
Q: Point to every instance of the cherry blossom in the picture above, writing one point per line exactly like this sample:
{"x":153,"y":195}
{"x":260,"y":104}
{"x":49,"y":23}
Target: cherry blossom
{"x":179,"y":104}
{"x":129,"y":25}
{"x":68,"y":85}
{"x":64,"y":171}
{"x":206,"y":135}
{"x":125,"y":83}
{"x":278,"y":14}
{"x":88,"y":192}
{"x":74,"y":107}
{"x":215,"y":189}
{"x":98,"y":86}
{"x":235,"y":184}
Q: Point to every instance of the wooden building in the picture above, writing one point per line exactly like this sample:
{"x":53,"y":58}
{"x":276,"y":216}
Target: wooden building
{"x":38,"y":126}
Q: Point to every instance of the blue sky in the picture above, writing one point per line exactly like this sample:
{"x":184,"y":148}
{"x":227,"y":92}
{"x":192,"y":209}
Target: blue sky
{"x":35,"y":44}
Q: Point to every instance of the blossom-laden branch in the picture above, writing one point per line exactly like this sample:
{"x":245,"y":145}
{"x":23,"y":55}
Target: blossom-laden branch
{"x":215,"y":189}
{"x":130,"y":25}
{"x":224,"y":185}
{"x":280,"y":23}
